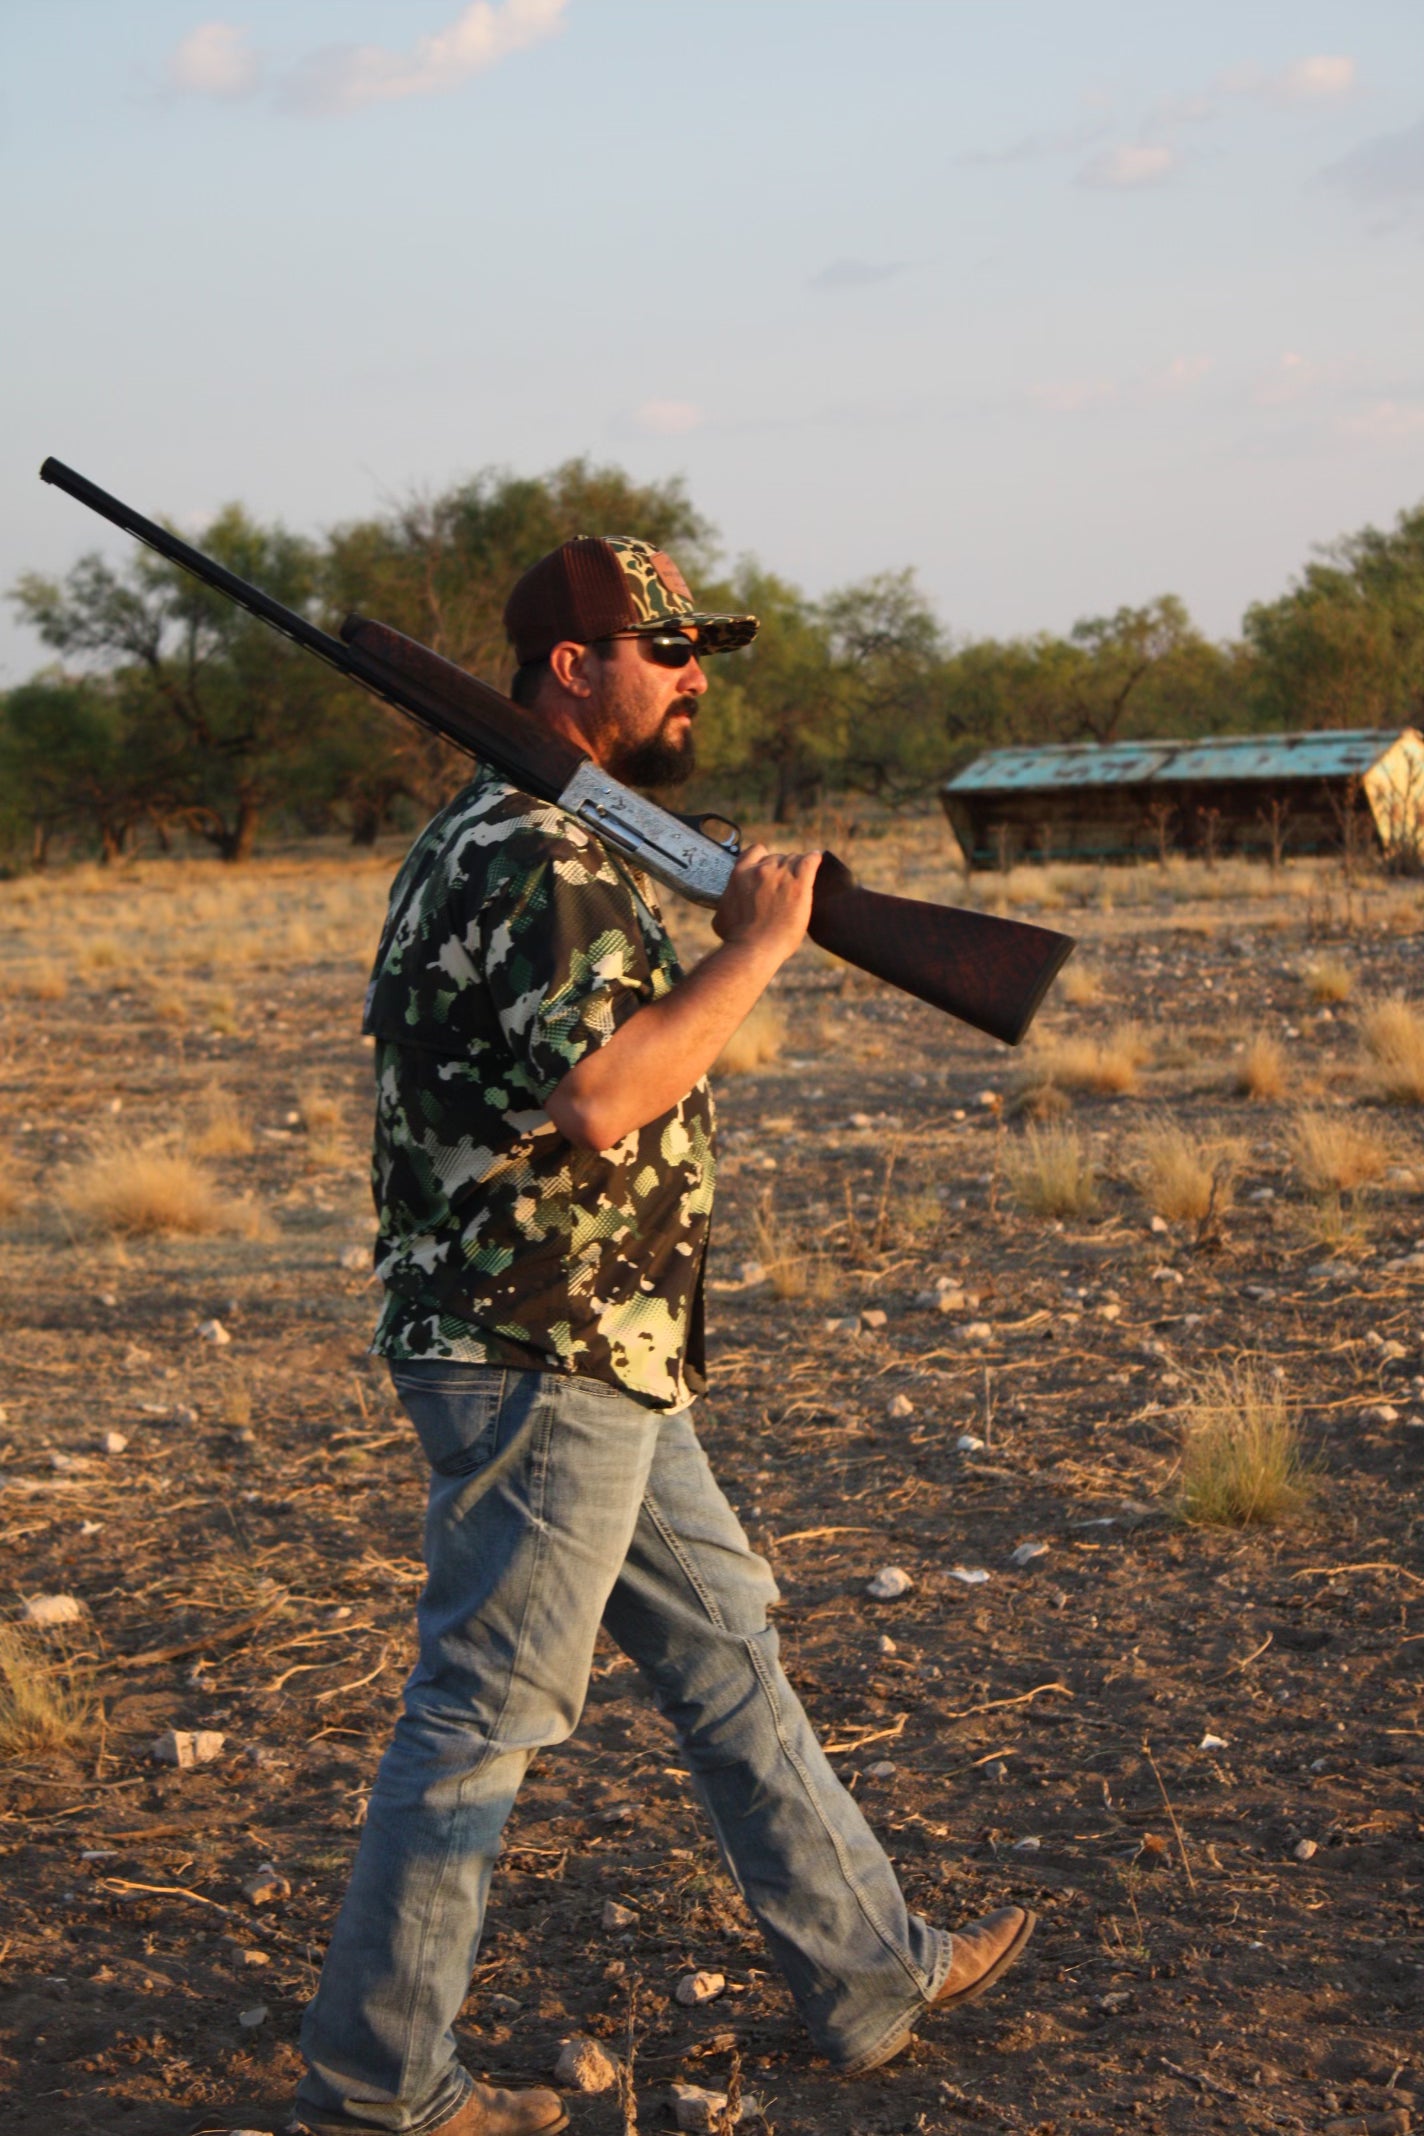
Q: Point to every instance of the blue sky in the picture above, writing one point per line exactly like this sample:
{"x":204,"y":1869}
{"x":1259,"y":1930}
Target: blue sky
{"x":1063,"y":306}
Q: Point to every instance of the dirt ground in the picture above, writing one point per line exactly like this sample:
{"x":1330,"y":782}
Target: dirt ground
{"x":1134,"y":1731}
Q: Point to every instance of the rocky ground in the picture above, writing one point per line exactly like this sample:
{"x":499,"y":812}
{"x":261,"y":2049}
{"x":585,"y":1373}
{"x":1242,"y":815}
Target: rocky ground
{"x":1196,"y":1751}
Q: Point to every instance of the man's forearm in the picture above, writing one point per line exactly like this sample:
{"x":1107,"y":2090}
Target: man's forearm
{"x":654,"y":1059}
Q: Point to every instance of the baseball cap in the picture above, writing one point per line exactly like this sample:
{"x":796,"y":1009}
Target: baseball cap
{"x":600,"y":584}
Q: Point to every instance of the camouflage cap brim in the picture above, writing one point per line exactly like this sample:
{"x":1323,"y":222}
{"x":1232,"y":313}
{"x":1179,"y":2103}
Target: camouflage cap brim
{"x":718,"y":634}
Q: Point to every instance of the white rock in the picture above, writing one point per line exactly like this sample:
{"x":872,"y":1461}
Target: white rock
{"x":1159,"y":1223}
{"x":114,"y":1442}
{"x":180,"y":1413}
{"x":243,"y":1955}
{"x":873,"y":1316}
{"x":968,"y":1575}
{"x":888,"y":1584}
{"x":109,"y":1298}
{"x":843,"y":1324}
{"x":1262,"y":1195}
{"x":1027,"y":1846}
{"x":214,"y":1331}
{"x":583,"y":2066}
{"x":886,"y":1645}
{"x":1110,"y":1311}
{"x":1381,"y":1413}
{"x":948,"y":1300}
{"x":1304,"y":1850}
{"x":695,"y":1988}
{"x":694,"y":2108}
{"x":615,"y":1916}
{"x":882,"y":1769}
{"x":1027,"y":1553}
{"x":967,"y":1443}
{"x":988,"y":1100}
{"x":975,"y":1331}
{"x":1212,"y":1742}
{"x":185,"y":1747}
{"x":900,"y":1406}
{"x":251,"y":2019}
{"x":50,"y":1610}
{"x":266,"y":1885}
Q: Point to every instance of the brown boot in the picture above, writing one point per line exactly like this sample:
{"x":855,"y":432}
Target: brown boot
{"x":506,"y":2113}
{"x":982,"y":1952}
{"x":978,"y":1956}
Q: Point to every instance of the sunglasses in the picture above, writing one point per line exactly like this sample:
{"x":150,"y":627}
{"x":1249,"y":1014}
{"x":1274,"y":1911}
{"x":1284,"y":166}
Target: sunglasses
{"x":665,"y":648}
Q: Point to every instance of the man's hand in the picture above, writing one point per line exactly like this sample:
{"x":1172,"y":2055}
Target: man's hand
{"x":767,"y":903}
{"x":653,"y":1059}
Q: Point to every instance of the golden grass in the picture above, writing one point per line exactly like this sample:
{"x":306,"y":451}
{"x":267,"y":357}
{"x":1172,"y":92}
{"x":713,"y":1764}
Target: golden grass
{"x":756,"y":1041}
{"x":1334,"y":1155}
{"x":1393,"y":1035}
{"x":1261,"y":1070}
{"x":170,"y":1004}
{"x":1328,"y":979}
{"x":795,"y":1269}
{"x":9,"y":1196}
{"x":1183,"y":1178}
{"x":320,"y":1111}
{"x":137,"y":1191}
{"x":1050,"y":1172}
{"x":1242,"y":1464}
{"x":1108,"y":1066}
{"x":42,"y":980}
{"x":1080,"y":985}
{"x":224,"y":1132}
{"x":45,"y":1699}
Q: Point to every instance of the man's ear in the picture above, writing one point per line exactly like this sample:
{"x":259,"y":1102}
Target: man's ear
{"x":568,"y":664}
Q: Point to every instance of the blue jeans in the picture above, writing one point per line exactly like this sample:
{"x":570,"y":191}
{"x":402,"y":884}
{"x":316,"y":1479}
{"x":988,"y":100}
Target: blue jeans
{"x":556,"y":1504}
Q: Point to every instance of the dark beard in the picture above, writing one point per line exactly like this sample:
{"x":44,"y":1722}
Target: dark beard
{"x":660,"y":761}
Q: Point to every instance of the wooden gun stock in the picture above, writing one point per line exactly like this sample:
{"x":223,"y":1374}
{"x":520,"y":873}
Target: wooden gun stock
{"x":988,"y":972}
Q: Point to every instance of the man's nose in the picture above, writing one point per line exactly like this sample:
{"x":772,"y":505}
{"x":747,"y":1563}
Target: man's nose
{"x":692,"y":678}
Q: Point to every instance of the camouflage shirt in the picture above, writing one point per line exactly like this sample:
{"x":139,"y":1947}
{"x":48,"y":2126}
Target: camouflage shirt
{"x":515,"y":943}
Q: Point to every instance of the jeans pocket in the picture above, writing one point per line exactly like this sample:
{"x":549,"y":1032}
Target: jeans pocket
{"x":456,"y":1420}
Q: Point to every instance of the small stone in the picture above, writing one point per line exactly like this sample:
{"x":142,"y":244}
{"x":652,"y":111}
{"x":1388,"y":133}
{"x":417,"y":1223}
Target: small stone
{"x":356,"y":1258}
{"x":180,"y":1413}
{"x":988,"y":1100}
{"x":1212,"y":1742}
{"x":1305,"y":1850}
{"x":889,"y":1584}
{"x":968,"y":1575}
{"x":108,"y":1298}
{"x":1262,"y":1195}
{"x":873,"y":1316}
{"x":843,"y":1324}
{"x":976,"y":1331}
{"x":243,"y":1954}
{"x":1027,"y":1846}
{"x":883,"y":1769}
{"x":1116,"y":1999}
{"x":1159,"y":1223}
{"x":251,"y":2019}
{"x":583,"y":2066}
{"x":214,"y":1331}
{"x":694,"y":2108}
{"x":696,"y":1988}
{"x":616,"y":1916}
{"x":50,"y":1610}
{"x":185,"y":1747}
{"x":900,"y":1405}
{"x":266,"y":1885}
{"x":1381,"y":1413}
{"x":967,"y":1443}
{"x":886,"y":1645}
{"x":1111,"y":1310}
{"x":1028,"y":1553}
{"x":114,"y":1442}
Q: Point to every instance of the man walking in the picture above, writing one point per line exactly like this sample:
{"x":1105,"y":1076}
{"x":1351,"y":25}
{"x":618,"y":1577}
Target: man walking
{"x":544,"y":1175}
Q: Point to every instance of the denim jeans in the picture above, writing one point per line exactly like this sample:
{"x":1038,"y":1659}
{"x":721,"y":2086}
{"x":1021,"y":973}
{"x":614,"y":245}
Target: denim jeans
{"x":556,"y":1504}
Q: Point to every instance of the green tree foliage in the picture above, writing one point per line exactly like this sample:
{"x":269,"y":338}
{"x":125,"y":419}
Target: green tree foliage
{"x":1345,"y":646}
{"x":61,"y":765}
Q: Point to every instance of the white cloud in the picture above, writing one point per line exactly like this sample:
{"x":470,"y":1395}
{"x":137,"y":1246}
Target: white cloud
{"x":1386,"y":422}
{"x":855,"y":274}
{"x":1181,"y":374}
{"x":1129,"y":166}
{"x":345,"y":77}
{"x":214,"y":60}
{"x":668,"y":418}
{"x":1292,"y":378}
{"x":1316,"y":80}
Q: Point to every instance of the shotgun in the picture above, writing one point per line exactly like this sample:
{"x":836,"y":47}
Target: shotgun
{"x":988,"y":972}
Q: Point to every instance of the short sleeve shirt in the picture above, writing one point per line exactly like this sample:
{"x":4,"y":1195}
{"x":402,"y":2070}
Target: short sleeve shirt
{"x":516,"y":942}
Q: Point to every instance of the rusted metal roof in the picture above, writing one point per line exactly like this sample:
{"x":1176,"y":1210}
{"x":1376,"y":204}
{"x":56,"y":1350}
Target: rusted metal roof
{"x":1332,"y":753}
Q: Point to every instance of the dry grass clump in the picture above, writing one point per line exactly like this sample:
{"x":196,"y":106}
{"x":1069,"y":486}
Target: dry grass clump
{"x":170,"y":1004}
{"x":45,"y":1699}
{"x":1242,"y":1464}
{"x":1393,"y":1036}
{"x":757,"y":1040}
{"x":224,"y":1132}
{"x":1328,"y":979}
{"x":795,"y":1269}
{"x":1335,"y":1155}
{"x":1080,"y":985}
{"x":1261,"y":1070}
{"x":1182,"y":1178}
{"x":1108,"y":1066}
{"x":135,"y":1191}
{"x":42,"y":980}
{"x":1050,"y":1172}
